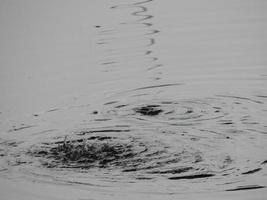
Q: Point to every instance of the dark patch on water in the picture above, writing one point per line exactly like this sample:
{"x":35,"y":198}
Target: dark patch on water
{"x":198,"y":158}
{"x":167,"y":102}
{"x":264,"y":162}
{"x":154,"y":67}
{"x":170,"y":112}
{"x":252,"y":171}
{"x":121,"y":106}
{"x":111,"y":102}
{"x":109,"y":63}
{"x":104,"y":131}
{"x":192,"y":176}
{"x":95,"y":112}
{"x":153,"y":32}
{"x":248,"y":187}
{"x":158,"y":86}
{"x":20,"y":128}
{"x":148,"y":52}
{"x":53,"y":110}
{"x":131,"y":170}
{"x":189,"y":111}
{"x":227,"y":123}
{"x":100,"y":138}
{"x":101,"y":120}
{"x":149,"y":110}
{"x":10,"y":143}
{"x":81,"y":154}
{"x":2,"y":152}
{"x":262,"y":96}
{"x":99,"y":151}
{"x":227,"y":161}
{"x":173,"y":171}
{"x":143,"y":178}
{"x":134,"y":166}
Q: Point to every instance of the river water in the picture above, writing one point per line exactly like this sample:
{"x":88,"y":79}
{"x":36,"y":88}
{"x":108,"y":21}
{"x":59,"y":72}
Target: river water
{"x":177,"y":89}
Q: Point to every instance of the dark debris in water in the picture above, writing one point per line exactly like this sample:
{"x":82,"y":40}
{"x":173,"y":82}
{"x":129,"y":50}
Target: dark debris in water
{"x":149,"y":110}
{"x":95,"y":112}
{"x":83,"y":154}
{"x":103,"y":151}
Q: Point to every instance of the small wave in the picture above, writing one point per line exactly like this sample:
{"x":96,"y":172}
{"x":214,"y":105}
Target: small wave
{"x":248,"y":187}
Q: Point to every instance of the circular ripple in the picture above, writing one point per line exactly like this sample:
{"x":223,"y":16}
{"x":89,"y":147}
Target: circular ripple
{"x":183,"y":112}
{"x":209,"y":130}
{"x":210,"y":139}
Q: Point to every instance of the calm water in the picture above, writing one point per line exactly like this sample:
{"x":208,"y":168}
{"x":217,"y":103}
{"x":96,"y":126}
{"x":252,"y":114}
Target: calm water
{"x":181,"y":85}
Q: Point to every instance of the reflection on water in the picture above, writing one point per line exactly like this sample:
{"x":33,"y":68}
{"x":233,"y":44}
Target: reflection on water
{"x":192,"y":133}
{"x":129,"y":44}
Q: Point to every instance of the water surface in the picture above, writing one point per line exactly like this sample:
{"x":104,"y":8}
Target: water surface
{"x":175,"y":89}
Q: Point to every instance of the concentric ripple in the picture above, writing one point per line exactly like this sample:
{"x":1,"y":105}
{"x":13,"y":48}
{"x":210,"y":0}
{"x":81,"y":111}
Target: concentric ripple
{"x":181,"y":112}
{"x":150,"y":133}
{"x":212,"y":139}
{"x":209,"y":128}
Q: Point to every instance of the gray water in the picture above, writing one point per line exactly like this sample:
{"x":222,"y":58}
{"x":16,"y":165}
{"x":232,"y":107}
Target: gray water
{"x":177,"y":87}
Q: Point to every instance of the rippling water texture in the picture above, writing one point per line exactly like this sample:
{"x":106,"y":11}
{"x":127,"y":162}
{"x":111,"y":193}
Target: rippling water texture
{"x":154,"y":100}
